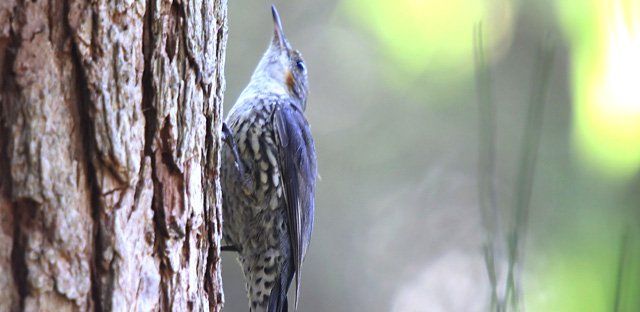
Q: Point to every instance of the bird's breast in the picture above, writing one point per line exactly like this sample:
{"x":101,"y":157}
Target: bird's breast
{"x":259,"y":153}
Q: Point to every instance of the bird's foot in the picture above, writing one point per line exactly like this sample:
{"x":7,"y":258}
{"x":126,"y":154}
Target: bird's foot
{"x":246,"y":179}
{"x":230,"y":248}
{"x":227,"y":137}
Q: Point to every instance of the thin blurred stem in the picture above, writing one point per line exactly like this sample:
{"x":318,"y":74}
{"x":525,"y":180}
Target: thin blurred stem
{"x":489,"y":261}
{"x":526,"y":168}
{"x":622,"y":261}
{"x":486,"y":162}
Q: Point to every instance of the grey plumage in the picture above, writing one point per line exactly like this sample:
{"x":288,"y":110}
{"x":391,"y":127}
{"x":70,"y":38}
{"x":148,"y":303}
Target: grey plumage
{"x":268,"y":185}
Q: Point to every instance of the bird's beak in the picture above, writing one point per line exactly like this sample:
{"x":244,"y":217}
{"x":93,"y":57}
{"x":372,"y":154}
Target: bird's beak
{"x":278,"y":34}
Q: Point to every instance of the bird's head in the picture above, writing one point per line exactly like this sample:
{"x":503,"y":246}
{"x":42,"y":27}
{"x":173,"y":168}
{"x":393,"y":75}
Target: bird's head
{"x":283,"y":65}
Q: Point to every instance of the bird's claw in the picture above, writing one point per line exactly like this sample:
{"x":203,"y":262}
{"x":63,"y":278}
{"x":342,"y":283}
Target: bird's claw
{"x":230,"y":248}
{"x":227,"y":138}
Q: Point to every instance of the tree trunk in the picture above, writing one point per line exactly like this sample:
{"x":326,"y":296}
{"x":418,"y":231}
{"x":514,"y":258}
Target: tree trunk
{"x":109,"y":154}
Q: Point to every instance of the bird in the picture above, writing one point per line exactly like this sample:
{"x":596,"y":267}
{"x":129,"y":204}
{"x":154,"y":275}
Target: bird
{"x":268,"y":176}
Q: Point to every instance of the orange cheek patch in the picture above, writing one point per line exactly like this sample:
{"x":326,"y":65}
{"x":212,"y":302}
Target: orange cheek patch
{"x":288,"y":78}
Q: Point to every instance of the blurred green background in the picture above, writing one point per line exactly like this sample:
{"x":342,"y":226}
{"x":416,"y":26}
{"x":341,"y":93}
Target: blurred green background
{"x":394,"y":112}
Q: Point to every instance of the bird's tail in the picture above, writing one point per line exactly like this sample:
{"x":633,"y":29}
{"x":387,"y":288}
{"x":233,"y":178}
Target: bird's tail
{"x":278,"y":298}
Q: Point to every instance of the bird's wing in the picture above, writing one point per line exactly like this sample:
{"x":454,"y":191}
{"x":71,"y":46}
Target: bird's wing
{"x":297,"y":162}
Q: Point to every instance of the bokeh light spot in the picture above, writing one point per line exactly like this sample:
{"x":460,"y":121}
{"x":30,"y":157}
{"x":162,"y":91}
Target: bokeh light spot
{"x":605,"y":39}
{"x":432,"y":35}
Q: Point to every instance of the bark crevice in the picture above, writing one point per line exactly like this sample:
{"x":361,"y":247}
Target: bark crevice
{"x":18,"y":264}
{"x":86,"y":128}
{"x":11,"y":225}
{"x":148,"y":109}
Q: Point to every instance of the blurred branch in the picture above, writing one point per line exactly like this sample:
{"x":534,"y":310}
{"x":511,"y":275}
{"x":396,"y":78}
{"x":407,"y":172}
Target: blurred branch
{"x":525,"y":175}
{"x":622,"y":262}
{"x":486,"y":162}
{"x":524,"y":179}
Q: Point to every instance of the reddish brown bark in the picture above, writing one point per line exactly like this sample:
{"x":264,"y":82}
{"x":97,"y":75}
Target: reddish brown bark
{"x":109,"y":154}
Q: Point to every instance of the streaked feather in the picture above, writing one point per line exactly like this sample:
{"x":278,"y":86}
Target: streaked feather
{"x":297,"y":160}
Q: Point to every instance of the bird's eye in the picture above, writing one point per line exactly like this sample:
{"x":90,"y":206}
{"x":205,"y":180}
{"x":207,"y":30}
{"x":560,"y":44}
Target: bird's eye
{"x":300,"y":66}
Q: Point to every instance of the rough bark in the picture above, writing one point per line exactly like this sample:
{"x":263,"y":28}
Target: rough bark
{"x":109,"y":154}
